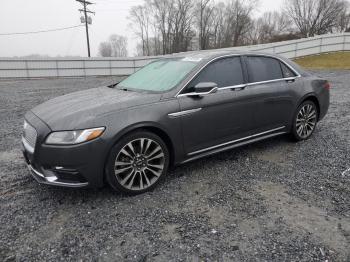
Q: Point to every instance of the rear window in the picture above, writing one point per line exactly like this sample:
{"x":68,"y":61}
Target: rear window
{"x":263,"y":69}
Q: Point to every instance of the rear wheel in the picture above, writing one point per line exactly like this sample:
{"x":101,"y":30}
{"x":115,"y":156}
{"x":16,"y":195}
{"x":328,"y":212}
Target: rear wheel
{"x":137,"y":163}
{"x":305,"y":121}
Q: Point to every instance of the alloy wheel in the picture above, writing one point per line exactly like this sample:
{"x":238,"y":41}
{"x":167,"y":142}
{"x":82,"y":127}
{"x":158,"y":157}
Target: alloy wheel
{"x":306,"y":120}
{"x":139,"y":164}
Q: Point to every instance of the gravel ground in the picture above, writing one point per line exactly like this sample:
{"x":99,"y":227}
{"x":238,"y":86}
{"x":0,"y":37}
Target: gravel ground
{"x":273,"y":200}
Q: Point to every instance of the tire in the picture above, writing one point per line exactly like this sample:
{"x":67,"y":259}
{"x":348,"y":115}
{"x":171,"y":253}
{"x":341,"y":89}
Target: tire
{"x":137,"y":163}
{"x":304,"y":121}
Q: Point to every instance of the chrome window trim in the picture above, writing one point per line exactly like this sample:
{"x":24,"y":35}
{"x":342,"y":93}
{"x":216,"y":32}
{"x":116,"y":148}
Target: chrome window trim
{"x":272,"y":81}
{"x":241,"y":86}
{"x":235,"y":141}
{"x":178,"y":94}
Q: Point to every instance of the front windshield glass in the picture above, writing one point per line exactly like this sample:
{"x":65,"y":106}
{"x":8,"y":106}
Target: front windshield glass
{"x":159,"y":76}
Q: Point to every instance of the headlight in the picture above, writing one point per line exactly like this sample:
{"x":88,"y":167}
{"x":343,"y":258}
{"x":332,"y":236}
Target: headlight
{"x":74,"y":137}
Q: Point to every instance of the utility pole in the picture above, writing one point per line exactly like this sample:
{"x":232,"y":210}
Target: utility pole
{"x":86,"y":20}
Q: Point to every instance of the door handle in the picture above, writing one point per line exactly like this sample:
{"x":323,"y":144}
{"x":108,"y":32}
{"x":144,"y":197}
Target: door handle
{"x":240,"y":87}
{"x":290,"y":80}
{"x":233,"y":88}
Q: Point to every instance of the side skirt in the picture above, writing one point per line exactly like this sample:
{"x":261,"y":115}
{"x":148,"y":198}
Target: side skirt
{"x":231,"y":146}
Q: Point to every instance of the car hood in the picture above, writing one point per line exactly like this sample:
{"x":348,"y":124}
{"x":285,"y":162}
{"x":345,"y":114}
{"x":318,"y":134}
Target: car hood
{"x":79,"y":109}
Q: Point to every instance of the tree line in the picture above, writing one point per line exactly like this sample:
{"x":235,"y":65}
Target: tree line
{"x":171,"y":26}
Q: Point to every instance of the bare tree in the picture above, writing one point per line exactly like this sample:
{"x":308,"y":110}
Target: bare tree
{"x":170,"y":26}
{"x":140,"y":15}
{"x":182,"y":25}
{"x":225,"y":24}
{"x":105,"y":49}
{"x":344,"y":19}
{"x":164,"y":26}
{"x":163,"y":18}
{"x":115,"y":46}
{"x":314,"y":17}
{"x":237,"y":22}
{"x":204,"y":14}
{"x":119,"y":45}
{"x":218,"y":27}
{"x":269,"y":26}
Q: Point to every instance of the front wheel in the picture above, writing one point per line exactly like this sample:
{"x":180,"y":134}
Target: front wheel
{"x":137,"y":163}
{"x":305,"y":121}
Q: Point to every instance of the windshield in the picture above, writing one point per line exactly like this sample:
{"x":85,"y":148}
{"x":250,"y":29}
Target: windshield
{"x":159,"y":76}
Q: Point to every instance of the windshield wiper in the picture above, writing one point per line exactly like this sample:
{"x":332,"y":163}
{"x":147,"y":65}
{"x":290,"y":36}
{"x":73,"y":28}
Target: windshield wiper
{"x":113,"y":85}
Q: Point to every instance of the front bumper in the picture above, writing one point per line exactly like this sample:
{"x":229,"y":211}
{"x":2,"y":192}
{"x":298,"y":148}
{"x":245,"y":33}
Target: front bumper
{"x":53,"y":179}
{"x":66,"y":166}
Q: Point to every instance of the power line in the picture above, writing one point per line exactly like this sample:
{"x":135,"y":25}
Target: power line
{"x":85,"y":20}
{"x":41,"y":31}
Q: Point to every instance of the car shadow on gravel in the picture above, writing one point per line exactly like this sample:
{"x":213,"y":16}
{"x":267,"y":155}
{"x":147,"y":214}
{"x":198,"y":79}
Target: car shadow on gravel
{"x":236,"y":154}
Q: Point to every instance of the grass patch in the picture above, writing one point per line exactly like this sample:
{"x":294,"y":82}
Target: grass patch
{"x":336,"y":60}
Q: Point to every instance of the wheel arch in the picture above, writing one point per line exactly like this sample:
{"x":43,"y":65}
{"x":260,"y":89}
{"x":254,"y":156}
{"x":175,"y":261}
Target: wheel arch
{"x":150,"y":127}
{"x":164,"y":136}
{"x":311,"y":97}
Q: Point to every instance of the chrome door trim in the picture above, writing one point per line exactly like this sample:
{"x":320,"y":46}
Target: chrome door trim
{"x":235,"y":141}
{"x":247,"y":84}
{"x":184,"y":113}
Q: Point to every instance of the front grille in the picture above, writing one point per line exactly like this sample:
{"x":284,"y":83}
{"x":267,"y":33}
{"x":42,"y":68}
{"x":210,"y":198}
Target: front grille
{"x":29,"y":134}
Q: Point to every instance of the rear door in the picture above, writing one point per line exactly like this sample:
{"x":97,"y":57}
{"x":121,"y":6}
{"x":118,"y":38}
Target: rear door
{"x":273,"y":95}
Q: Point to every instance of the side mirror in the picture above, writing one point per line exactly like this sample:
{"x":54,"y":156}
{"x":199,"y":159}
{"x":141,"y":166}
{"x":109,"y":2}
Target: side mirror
{"x":205,"y":88}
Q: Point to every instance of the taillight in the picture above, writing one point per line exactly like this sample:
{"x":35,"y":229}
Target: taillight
{"x":327,"y":85}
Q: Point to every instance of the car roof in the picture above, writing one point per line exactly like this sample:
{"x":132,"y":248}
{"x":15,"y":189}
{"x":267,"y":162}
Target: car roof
{"x":205,"y":56}
{"x":210,"y":54}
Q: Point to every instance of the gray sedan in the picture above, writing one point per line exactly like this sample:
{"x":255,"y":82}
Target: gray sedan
{"x":172,"y":111}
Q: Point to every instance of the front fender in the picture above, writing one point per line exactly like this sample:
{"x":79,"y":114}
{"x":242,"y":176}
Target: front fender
{"x":153,"y":116}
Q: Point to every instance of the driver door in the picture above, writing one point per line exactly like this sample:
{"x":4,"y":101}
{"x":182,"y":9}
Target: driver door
{"x":216,"y":118}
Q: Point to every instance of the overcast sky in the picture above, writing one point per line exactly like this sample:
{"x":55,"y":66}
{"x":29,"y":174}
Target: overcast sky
{"x":111,"y":18}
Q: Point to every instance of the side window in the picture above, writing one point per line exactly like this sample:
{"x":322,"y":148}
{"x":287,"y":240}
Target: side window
{"x":224,"y":72}
{"x":287,"y":72}
{"x":262,"y":68}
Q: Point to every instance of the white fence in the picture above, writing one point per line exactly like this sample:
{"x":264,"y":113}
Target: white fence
{"x":37,"y":68}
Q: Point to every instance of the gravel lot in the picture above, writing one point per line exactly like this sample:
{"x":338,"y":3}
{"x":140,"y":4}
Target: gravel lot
{"x":274,"y":200}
